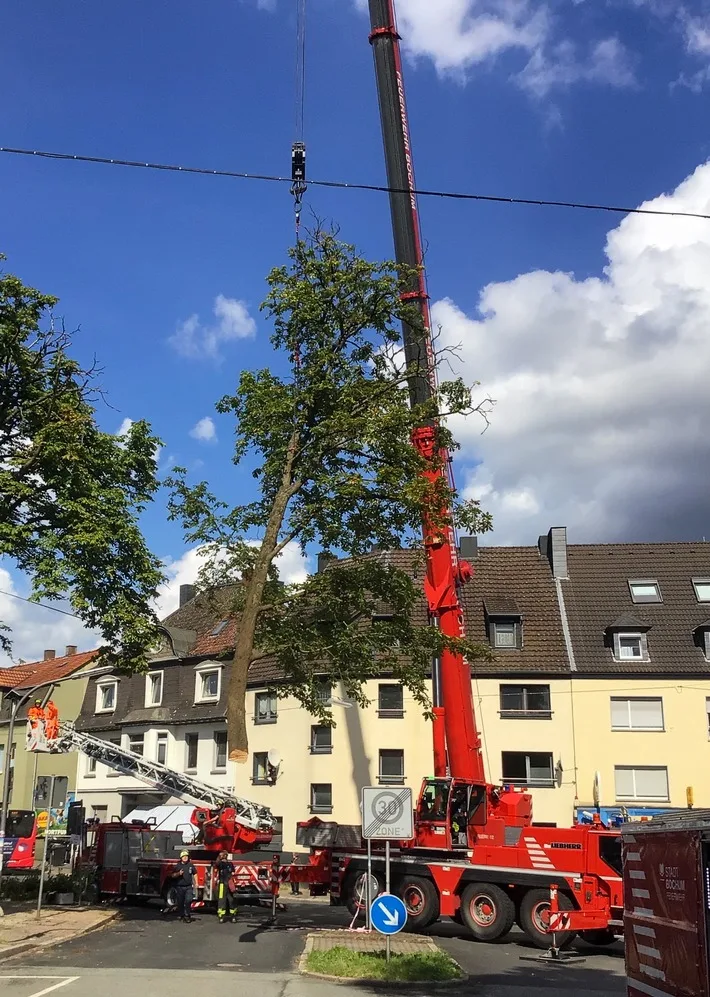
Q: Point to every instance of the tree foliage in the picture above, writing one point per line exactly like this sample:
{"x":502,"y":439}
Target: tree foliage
{"x":335,"y":470}
{"x":70,"y":494}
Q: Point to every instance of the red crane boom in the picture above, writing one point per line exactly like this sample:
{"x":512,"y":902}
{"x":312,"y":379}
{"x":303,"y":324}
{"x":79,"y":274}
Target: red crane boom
{"x":455,"y":733}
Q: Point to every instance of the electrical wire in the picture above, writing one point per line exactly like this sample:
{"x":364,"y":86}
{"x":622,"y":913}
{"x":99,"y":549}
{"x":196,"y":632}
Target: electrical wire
{"x":41,"y":605}
{"x":344,"y":185}
{"x":300,"y":68}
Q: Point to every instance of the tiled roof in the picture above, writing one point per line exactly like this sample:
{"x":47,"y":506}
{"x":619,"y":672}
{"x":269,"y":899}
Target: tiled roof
{"x":517,"y":576}
{"x":597,"y":593}
{"x":203,"y":614}
{"x":33,"y":673}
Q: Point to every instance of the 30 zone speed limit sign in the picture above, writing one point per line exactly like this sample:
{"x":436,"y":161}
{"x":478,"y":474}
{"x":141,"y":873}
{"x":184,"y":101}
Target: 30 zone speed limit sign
{"x":387,"y":814}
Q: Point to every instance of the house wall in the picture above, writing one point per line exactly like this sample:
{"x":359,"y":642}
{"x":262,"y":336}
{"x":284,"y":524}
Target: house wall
{"x":68,"y":697}
{"x":577,"y":735}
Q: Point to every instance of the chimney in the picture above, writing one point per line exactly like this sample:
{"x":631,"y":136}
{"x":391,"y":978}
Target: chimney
{"x":187,"y":593}
{"x":468,"y":548}
{"x":323,"y":559}
{"x":554,"y":548}
{"x":71,"y":650}
{"x":49,"y":654}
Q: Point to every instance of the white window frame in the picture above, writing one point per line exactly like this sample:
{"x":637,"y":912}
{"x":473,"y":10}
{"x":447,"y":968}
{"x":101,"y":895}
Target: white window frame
{"x":628,"y":700}
{"x":90,"y":770}
{"x":641,"y":600}
{"x":707,"y":713}
{"x":161,"y":737}
{"x":256,"y":779}
{"x":626,"y":634}
{"x":271,"y":716}
{"x":703,"y":583}
{"x":111,"y":772}
{"x":149,"y":686}
{"x":200,"y":673}
{"x":498,"y":626}
{"x":100,"y":686}
{"x":130,"y":737}
{"x":191,"y":734}
{"x":636,"y":797}
{"x":706,"y":644}
{"x":215,"y":766}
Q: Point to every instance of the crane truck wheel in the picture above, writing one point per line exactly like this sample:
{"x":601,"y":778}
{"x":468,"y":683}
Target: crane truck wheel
{"x":487,"y":911}
{"x":534,"y":917}
{"x":421,"y":899}
{"x":355,"y":890}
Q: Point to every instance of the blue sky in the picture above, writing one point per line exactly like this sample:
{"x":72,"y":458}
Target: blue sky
{"x":572,"y":99}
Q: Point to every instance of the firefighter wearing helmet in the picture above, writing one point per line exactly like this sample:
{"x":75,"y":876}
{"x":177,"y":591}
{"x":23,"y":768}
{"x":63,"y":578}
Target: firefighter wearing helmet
{"x":226,"y":897}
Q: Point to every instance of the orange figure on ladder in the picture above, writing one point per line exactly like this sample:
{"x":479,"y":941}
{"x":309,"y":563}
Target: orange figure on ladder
{"x":51,"y":721}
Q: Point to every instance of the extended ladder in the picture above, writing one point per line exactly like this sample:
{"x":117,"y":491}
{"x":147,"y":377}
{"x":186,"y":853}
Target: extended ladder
{"x":247,"y":813}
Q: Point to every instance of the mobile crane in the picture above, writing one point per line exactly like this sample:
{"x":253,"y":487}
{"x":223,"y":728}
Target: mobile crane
{"x":476,"y":855}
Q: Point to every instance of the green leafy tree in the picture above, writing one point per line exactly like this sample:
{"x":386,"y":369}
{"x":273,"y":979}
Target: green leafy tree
{"x":329,"y":447}
{"x":70,"y":494}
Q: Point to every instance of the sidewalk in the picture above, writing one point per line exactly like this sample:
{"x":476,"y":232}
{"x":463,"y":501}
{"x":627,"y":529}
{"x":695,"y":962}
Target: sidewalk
{"x":22,"y":932}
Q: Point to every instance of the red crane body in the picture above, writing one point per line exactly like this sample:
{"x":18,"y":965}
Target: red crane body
{"x":455,"y":736}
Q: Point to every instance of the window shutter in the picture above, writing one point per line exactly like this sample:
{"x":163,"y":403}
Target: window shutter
{"x":620,"y":713}
{"x":647,"y":713}
{"x":624,"y":783}
{"x":652,"y":783}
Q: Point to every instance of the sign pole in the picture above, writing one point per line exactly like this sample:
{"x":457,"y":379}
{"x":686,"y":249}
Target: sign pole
{"x":46,"y":847}
{"x":368,"y":889}
{"x":387,"y":890}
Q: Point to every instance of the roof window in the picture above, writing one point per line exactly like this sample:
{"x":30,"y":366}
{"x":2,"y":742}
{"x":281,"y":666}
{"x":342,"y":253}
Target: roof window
{"x":219,"y":628}
{"x":702,"y":589}
{"x":645,"y":590}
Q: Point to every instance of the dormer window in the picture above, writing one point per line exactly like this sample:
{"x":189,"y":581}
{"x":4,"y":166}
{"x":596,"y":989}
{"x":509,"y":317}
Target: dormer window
{"x":208,"y":682}
{"x":701,"y":638}
{"x":504,"y":622}
{"x":628,"y":639}
{"x":645,"y":590}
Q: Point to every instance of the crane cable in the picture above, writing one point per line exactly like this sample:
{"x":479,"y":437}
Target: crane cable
{"x":298,"y":149}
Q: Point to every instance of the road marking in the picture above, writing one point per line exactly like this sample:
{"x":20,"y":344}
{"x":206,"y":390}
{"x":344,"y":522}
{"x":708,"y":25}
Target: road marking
{"x":63,"y":981}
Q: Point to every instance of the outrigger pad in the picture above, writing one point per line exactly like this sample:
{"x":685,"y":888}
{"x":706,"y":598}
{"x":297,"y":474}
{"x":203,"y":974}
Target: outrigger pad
{"x":554,"y":957}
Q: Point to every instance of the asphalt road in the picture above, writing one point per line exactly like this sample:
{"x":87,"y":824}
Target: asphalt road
{"x":159,"y":955}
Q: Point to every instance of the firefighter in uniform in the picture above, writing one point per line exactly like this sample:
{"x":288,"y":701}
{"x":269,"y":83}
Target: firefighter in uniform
{"x":35,"y":723}
{"x":185,"y":876}
{"x":226,"y":897}
{"x":51,"y":726}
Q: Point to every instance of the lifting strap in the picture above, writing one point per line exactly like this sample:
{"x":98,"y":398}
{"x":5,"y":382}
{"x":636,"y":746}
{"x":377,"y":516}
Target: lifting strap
{"x":298,"y":149}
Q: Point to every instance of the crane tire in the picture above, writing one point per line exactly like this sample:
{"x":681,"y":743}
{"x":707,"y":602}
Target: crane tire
{"x":487,"y":911}
{"x":354,"y":889}
{"x":534,"y":912}
{"x":598,"y":936}
{"x":421,"y":899}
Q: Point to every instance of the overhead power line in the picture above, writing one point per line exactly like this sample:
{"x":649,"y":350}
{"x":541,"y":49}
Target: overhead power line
{"x":41,"y":605}
{"x":343,"y":185}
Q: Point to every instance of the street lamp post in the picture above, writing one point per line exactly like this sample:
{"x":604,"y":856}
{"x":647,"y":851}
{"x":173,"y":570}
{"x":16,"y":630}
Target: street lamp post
{"x":15,"y":706}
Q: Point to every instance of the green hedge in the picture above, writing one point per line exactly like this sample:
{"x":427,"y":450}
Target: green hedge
{"x":27,"y":887}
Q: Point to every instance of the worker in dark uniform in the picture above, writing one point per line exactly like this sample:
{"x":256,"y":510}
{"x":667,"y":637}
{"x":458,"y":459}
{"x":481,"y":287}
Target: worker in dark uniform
{"x":185,"y":877}
{"x":226,"y":897}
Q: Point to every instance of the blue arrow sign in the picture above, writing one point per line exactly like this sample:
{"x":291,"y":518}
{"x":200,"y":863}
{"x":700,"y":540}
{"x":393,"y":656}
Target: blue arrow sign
{"x":388,"y":915}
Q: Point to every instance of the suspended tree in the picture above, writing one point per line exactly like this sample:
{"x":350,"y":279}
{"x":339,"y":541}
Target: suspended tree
{"x":328,"y":444}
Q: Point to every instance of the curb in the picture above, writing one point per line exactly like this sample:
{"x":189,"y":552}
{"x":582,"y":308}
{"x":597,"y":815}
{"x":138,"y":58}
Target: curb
{"x":22,"y":947}
{"x":346,"y":981}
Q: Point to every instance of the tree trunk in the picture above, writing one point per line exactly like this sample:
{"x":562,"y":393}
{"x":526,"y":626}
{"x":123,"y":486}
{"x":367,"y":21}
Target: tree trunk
{"x":237,"y":736}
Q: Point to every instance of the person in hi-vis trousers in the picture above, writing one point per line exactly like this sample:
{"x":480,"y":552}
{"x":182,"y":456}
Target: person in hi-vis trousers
{"x":226,"y":897}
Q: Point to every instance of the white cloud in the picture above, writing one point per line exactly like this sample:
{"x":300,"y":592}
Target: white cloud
{"x":292,"y":565}
{"x":33,"y":629}
{"x":601,"y":386}
{"x":204,"y":431}
{"x":196,"y":341}
{"x":608,"y":62}
{"x":124,"y":428}
{"x":459,"y":34}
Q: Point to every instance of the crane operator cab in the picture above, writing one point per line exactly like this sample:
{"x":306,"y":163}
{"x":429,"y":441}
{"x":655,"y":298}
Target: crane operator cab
{"x":447,"y":812}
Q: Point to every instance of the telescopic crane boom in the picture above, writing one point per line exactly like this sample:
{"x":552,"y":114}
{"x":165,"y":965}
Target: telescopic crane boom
{"x":455,"y":732}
